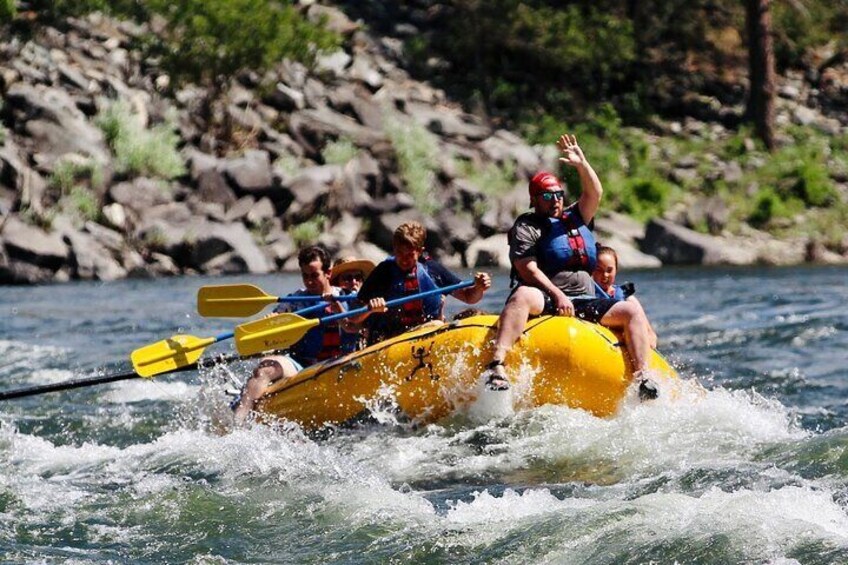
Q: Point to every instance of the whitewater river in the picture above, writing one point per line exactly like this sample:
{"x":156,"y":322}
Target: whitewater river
{"x":755,"y":470}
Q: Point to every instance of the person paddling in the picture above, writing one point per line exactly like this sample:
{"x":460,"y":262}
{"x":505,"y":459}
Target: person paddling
{"x":553,"y":253}
{"x":409,"y":271}
{"x":320,"y":343}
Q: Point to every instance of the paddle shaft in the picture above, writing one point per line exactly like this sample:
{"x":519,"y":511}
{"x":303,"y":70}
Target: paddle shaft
{"x":79,"y":383}
{"x":399,"y":301}
{"x":310,"y":298}
{"x":250,"y":341}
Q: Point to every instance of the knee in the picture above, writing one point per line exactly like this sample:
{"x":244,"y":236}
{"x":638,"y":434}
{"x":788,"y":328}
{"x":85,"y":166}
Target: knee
{"x":524,"y":298}
{"x":638,"y":319}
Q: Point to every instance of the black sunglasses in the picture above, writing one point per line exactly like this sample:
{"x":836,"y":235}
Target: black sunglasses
{"x":556,"y":195}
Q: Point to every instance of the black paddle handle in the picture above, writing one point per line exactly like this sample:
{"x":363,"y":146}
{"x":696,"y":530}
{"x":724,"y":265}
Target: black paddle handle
{"x":67,"y":385}
{"x":79,"y":383}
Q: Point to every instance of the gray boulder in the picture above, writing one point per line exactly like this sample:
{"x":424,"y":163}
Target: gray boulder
{"x":250,"y":174}
{"x":140,"y":194}
{"x":89,"y":259}
{"x":677,"y":245}
{"x":490,"y":252}
{"x":53,"y":124}
{"x":33,"y":245}
{"x":213,"y":240}
{"x":309,"y":191}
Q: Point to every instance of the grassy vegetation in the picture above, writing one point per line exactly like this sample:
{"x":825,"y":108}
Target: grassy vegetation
{"x":288,"y":164}
{"x":73,"y":186}
{"x":339,"y":152}
{"x":140,"y":151}
{"x":307,"y":233}
{"x":417,"y":152}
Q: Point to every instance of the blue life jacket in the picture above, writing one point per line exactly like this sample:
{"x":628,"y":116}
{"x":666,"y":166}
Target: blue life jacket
{"x":411,"y":314}
{"x":322,"y":342}
{"x":567,"y":244}
{"x":617,"y":293}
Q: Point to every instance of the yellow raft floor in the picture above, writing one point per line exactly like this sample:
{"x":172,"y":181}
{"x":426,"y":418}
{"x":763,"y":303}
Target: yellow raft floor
{"x":431,"y":372}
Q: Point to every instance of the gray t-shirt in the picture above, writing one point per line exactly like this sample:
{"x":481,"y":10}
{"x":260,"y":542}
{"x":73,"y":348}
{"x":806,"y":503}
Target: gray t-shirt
{"x":523,"y":238}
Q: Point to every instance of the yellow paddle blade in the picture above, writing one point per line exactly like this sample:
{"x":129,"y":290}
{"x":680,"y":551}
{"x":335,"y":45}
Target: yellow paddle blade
{"x":276,"y":332}
{"x":169,"y":354}
{"x":232,"y":300}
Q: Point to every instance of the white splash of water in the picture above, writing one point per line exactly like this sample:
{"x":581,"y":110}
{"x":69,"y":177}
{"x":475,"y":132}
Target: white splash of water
{"x":141,"y":390}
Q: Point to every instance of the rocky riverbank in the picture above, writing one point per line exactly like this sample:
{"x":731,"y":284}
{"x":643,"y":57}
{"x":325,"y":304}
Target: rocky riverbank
{"x":340,"y":155}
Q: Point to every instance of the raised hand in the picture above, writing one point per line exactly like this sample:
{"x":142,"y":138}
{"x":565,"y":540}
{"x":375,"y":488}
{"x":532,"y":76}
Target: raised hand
{"x":572,"y":155}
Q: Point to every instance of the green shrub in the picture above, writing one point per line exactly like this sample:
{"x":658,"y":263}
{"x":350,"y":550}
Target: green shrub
{"x":140,"y":151}
{"x":339,"y":152}
{"x":307,"y":233}
{"x":8,"y":11}
{"x":68,"y":174}
{"x":767,"y":206}
{"x":518,"y":55}
{"x":417,"y":152}
{"x":813,"y":184}
{"x":209,"y":40}
{"x":81,"y":204}
{"x":643,"y":197}
{"x":799,"y":170}
{"x":288,"y":163}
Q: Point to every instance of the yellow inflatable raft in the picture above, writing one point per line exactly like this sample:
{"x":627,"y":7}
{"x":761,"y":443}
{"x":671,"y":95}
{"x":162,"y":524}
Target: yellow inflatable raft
{"x":431,"y":372}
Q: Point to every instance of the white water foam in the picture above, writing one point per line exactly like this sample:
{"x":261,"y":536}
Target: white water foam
{"x":36,"y":362}
{"x":684,"y":428}
{"x":141,"y":390}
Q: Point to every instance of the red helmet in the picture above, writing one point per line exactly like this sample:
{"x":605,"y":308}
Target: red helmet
{"x":544,"y":182}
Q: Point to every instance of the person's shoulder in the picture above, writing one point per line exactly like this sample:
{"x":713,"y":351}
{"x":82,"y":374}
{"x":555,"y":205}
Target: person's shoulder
{"x":376,"y":281}
{"x":439,"y":272}
{"x":529,"y":226}
{"x":527,"y":218}
{"x":298,"y":292}
{"x":573,"y":211}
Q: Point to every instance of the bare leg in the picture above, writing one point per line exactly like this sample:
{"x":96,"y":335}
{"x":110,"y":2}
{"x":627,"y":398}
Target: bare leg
{"x":523,"y":303}
{"x":631,"y":319}
{"x":267,"y":372}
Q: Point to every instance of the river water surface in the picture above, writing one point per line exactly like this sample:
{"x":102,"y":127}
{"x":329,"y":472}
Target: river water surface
{"x":754,"y":470}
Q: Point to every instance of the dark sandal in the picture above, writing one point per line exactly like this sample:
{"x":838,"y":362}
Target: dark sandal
{"x":496,"y":377}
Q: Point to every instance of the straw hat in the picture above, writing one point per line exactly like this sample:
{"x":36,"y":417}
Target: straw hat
{"x":348,"y":264}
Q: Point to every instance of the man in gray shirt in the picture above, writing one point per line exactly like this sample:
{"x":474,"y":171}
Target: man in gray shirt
{"x":553,"y":253}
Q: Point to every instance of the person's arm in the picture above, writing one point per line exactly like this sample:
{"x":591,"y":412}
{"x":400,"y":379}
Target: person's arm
{"x":590,"y":185}
{"x":531,"y":274}
{"x":371,"y":295}
{"x":473,"y":294}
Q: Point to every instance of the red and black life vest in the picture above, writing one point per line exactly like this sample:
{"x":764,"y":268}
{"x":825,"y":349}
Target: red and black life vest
{"x":410,"y":314}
